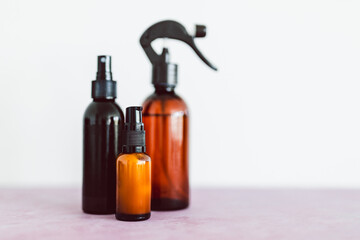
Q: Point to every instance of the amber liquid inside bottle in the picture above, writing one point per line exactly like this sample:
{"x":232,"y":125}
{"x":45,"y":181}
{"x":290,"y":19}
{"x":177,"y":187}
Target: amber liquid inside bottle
{"x":133,"y":187}
{"x":165,"y":118}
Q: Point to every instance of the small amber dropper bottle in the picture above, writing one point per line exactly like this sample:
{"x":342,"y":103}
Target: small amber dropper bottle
{"x":133,"y":166}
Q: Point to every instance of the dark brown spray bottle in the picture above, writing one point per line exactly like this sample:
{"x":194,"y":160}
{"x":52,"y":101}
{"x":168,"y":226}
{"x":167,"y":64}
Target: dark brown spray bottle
{"x":103,"y":122}
{"x":166,"y":120}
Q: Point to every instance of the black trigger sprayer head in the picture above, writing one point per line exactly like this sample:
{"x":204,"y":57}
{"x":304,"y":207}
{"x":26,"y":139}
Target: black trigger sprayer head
{"x":104,"y":87}
{"x":164,"y":72}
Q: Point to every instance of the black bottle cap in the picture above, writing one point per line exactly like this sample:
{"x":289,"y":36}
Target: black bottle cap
{"x":164,"y":72}
{"x":133,"y":132}
{"x":104,"y":87}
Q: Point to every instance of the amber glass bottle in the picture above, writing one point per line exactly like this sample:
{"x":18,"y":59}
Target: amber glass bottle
{"x":133,"y":187}
{"x":165,"y":117}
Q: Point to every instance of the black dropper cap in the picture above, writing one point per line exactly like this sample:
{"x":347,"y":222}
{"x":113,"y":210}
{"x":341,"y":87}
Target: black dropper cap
{"x":104,"y":87}
{"x":133,"y":132}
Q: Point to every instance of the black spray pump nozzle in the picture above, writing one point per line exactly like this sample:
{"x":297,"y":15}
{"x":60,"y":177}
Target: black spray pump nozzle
{"x":164,"y":72}
{"x":133,"y":119}
{"x":133,"y":132}
{"x":104,"y":68}
{"x":104,"y":87}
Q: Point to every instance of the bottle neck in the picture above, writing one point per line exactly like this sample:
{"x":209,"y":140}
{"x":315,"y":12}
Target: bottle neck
{"x":104,"y":99}
{"x":164,"y":90}
{"x":133,"y":149}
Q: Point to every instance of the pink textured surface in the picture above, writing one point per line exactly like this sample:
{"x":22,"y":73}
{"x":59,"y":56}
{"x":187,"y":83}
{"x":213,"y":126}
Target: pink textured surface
{"x":214,"y":214}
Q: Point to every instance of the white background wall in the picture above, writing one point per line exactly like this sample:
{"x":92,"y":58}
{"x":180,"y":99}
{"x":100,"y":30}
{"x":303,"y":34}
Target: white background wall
{"x":283,"y":111}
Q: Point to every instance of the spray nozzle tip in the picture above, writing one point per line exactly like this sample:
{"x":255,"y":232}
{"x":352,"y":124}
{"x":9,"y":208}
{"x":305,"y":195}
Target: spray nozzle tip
{"x":104,"y":68}
{"x":200,"y":31}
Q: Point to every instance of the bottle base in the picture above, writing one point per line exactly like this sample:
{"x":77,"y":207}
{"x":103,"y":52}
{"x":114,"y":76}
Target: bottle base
{"x":98,"y":212}
{"x":132,"y":217}
{"x":168,"y":204}
{"x":97,"y":205}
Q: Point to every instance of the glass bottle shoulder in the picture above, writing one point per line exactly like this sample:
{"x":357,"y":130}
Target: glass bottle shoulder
{"x":137,"y":158}
{"x":97,"y":111}
{"x":169,"y":103}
